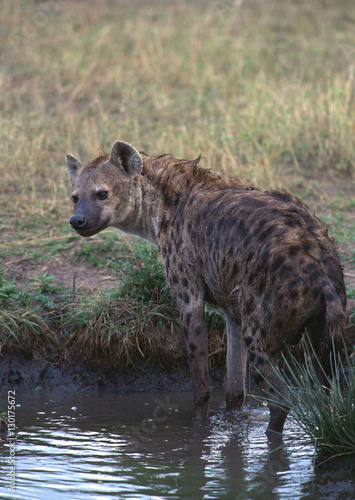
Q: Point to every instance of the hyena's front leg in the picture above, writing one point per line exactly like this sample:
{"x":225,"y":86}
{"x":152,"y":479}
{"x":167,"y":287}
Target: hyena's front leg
{"x":196,"y":338}
{"x":192,"y":313}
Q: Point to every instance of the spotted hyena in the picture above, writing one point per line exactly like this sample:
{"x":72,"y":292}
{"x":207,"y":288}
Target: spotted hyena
{"x":261,"y":256}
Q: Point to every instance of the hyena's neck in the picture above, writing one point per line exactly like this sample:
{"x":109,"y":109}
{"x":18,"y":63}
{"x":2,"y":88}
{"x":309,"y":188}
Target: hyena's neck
{"x":155,"y":194}
{"x":147,"y":210}
{"x":159,"y":191}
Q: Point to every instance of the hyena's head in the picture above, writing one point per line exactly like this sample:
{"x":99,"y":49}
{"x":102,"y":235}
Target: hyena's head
{"x":102,"y":190}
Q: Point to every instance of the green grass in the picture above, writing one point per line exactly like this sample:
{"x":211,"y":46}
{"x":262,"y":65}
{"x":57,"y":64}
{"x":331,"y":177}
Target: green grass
{"x":327,"y":416}
{"x":20,"y":320}
{"x":142,"y":276}
{"x":99,"y":251}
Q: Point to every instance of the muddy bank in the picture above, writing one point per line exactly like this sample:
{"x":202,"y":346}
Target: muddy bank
{"x":20,"y":372}
{"x":55,"y":367}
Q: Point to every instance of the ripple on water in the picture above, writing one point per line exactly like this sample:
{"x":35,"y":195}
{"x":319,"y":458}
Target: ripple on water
{"x":121,"y":446}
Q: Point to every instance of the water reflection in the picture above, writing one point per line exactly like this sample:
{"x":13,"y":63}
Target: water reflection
{"x":146,"y":446}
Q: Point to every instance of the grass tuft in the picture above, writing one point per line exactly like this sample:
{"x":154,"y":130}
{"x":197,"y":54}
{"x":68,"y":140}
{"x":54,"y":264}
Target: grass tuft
{"x":326,"y":412}
{"x":135,"y":321}
{"x":20,"y":319}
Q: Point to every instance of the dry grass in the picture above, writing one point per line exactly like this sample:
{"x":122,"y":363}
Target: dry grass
{"x":258,"y":89}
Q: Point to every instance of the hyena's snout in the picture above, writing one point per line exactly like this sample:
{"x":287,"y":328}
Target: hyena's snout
{"x":78,"y":221}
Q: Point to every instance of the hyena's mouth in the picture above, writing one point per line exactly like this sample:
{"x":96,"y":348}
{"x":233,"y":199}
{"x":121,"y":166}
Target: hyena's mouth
{"x":89,"y":231}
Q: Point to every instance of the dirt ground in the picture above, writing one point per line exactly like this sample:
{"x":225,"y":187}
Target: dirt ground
{"x":73,"y":275}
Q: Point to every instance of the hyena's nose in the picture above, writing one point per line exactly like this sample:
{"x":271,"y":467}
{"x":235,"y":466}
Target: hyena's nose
{"x":78,"y":221}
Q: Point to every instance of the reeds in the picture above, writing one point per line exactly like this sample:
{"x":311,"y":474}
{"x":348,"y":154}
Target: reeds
{"x":324,"y":410}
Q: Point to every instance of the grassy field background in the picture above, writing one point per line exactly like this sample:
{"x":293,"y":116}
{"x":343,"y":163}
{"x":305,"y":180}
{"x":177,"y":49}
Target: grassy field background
{"x":263,"y":90}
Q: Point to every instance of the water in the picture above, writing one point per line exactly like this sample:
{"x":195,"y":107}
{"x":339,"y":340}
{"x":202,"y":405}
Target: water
{"x":147,"y":446}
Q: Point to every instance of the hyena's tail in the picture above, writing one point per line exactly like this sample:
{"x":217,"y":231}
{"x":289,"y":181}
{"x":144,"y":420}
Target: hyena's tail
{"x":332,"y":336}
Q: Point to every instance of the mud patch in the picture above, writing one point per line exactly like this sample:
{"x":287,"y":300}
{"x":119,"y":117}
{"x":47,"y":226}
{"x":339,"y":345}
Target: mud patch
{"x":20,"y":372}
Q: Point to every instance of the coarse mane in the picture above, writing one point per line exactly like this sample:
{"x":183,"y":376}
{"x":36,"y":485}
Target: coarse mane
{"x":180,"y":174}
{"x":175,"y":177}
{"x":103,"y":157}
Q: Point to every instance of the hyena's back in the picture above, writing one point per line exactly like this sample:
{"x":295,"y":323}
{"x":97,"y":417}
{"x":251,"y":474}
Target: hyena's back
{"x":263,"y":257}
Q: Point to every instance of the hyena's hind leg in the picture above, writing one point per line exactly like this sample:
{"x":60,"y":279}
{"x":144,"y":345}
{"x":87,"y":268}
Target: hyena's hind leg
{"x":235,"y":365}
{"x":263,"y":369}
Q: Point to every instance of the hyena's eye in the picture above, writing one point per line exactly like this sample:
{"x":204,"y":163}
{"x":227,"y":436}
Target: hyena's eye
{"x":75,"y":198}
{"x":102,"y":195}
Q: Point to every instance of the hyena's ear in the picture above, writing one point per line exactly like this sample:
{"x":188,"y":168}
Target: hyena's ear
{"x":73,"y":167}
{"x":126,"y":157}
